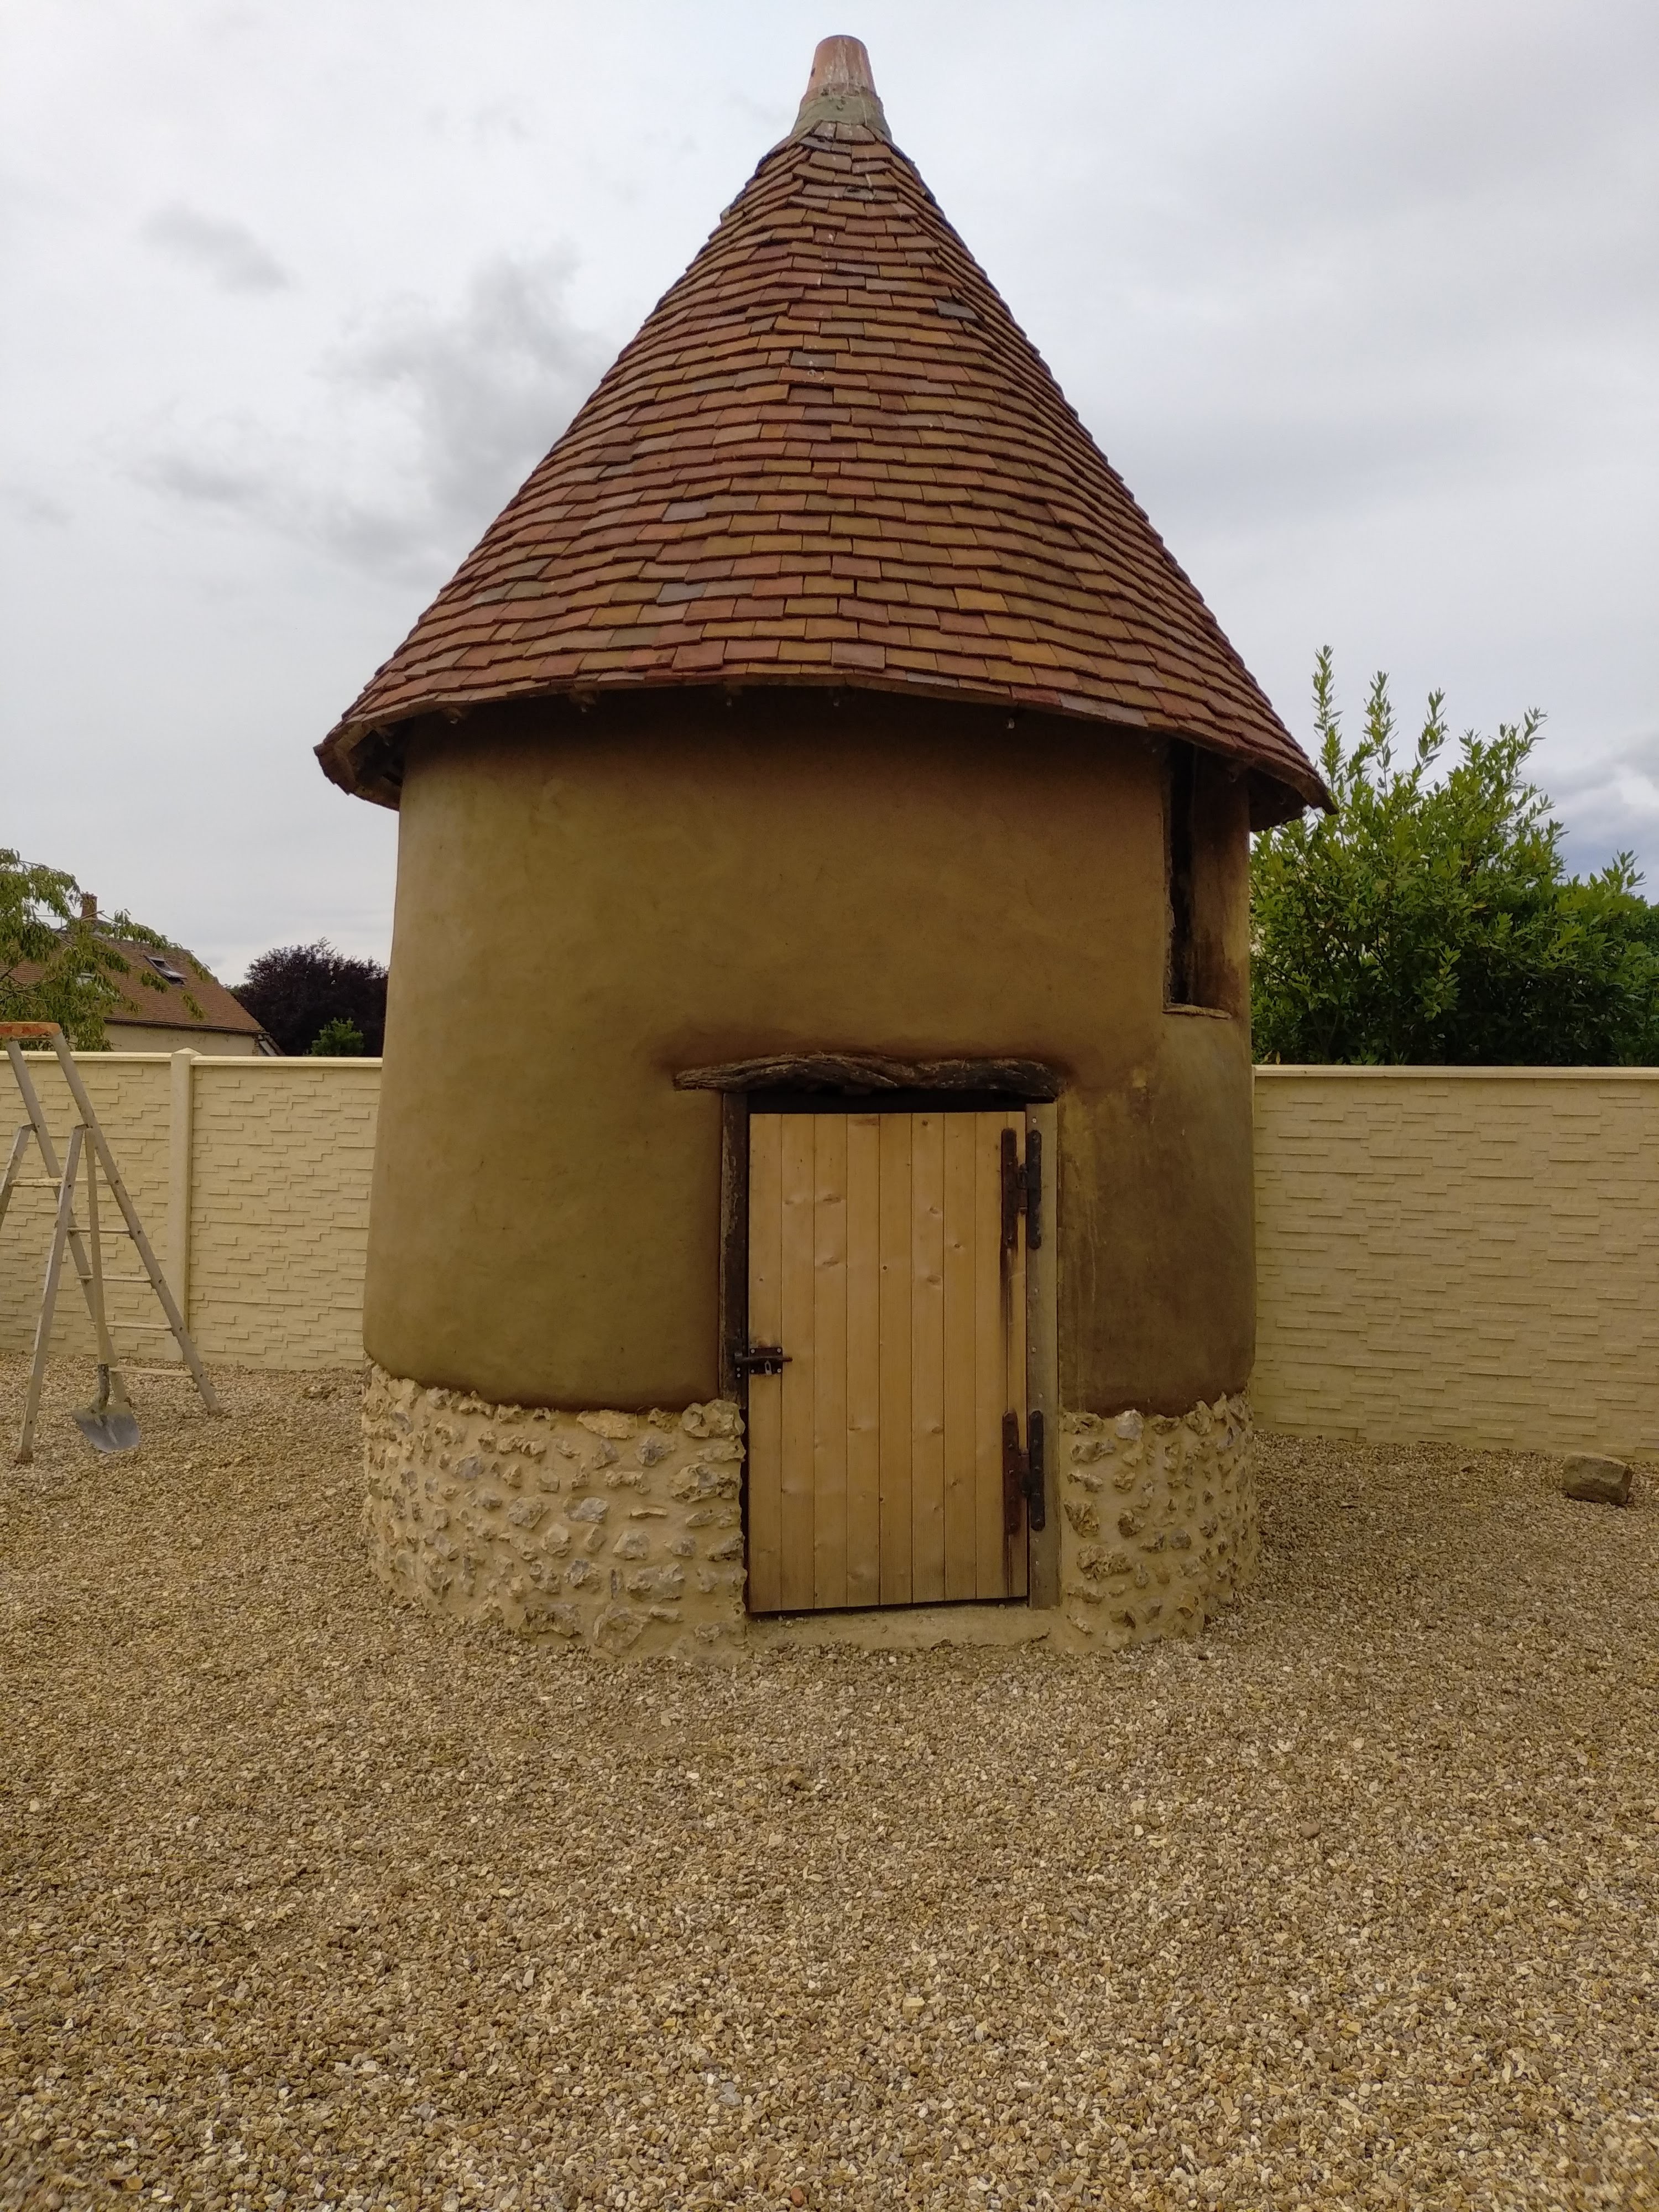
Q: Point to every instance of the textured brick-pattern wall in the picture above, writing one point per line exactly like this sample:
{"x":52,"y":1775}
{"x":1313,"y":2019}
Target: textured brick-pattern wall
{"x":130,"y":1097}
{"x":281,"y":1155}
{"x":279,"y":1209}
{"x":1467,"y":1255}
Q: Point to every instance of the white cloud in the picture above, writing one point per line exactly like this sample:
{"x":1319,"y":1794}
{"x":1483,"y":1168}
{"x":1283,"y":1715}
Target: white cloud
{"x":481,"y":391}
{"x":1607,"y":800}
{"x":423,"y":423}
{"x":34,"y":507}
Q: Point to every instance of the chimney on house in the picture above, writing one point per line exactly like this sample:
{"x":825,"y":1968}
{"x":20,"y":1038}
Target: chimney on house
{"x":89,"y":907}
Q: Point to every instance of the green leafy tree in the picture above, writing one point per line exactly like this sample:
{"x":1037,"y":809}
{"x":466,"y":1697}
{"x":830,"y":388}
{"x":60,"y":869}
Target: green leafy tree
{"x":1430,"y":920}
{"x":340,"y":1039}
{"x":56,"y":967}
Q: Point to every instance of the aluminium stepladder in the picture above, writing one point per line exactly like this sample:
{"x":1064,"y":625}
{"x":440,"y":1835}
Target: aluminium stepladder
{"x":87,"y":1154}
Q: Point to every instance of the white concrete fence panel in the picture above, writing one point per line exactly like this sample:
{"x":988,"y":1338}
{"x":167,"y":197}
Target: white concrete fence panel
{"x":252,"y":1178}
{"x":1470,"y":1254}
{"x":1463,"y":1254}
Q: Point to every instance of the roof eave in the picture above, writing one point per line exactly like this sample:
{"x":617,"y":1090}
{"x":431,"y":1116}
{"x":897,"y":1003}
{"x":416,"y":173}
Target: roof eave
{"x":365,"y":757}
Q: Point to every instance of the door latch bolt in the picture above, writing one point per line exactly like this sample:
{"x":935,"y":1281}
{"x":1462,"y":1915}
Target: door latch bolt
{"x":763,"y":1359}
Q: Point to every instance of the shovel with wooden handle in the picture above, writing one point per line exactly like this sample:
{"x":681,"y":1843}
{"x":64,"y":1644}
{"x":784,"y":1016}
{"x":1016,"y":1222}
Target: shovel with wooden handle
{"x":109,"y":1423}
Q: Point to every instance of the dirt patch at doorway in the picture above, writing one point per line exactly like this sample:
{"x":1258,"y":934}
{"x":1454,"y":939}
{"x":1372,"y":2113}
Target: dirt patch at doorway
{"x":303,"y":1891}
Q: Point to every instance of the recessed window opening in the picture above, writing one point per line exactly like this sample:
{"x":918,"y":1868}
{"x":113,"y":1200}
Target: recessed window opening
{"x":1182,"y":986}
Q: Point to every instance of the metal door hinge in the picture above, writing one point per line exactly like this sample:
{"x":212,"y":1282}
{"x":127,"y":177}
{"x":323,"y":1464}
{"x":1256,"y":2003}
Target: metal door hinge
{"x":1022,"y":1188}
{"x":761,"y":1359}
{"x":1022,"y":1474}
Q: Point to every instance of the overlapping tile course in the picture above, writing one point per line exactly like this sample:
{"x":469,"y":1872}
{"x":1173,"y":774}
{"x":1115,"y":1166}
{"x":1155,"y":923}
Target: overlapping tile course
{"x":831,"y":455}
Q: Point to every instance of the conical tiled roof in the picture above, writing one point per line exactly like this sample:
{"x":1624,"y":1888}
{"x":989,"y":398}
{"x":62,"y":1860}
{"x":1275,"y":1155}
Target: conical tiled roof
{"x":830,"y":456}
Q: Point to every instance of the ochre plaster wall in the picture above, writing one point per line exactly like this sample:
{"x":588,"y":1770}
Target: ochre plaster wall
{"x":589,"y":903}
{"x":1221,"y":888}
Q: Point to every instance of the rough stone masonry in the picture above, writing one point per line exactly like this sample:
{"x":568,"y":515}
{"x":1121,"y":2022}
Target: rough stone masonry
{"x":625,"y":1529}
{"x":1161,"y":1529}
{"x":622,"y":1528}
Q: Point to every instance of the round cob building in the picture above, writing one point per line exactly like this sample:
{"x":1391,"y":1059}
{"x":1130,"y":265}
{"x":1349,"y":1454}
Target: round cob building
{"x":814,"y":1168}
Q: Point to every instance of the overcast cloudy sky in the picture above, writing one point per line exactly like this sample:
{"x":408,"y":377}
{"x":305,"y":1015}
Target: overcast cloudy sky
{"x":1361,"y":296}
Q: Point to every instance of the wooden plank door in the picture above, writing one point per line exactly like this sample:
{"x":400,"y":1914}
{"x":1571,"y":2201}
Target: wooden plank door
{"x":877,"y":1262}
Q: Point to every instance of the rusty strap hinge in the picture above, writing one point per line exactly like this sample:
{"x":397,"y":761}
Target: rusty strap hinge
{"x":1022,"y":1189}
{"x":1022,"y":1474}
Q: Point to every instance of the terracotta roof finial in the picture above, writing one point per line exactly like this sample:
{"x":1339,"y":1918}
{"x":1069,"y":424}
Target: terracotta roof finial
{"x":841,"y":89}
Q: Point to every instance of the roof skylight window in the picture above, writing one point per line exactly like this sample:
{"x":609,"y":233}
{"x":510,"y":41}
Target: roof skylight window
{"x":165,"y":968}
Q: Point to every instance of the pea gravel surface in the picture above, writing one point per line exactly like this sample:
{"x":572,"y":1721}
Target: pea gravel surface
{"x":308,"y":1900}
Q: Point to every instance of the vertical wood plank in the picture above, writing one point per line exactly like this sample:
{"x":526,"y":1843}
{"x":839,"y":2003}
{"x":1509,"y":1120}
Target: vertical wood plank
{"x":927,"y":1358}
{"x":895,"y":1332}
{"x":990,"y":1360}
{"x":828,"y":1358}
{"x":796,"y":1273}
{"x":1019,"y":1545}
{"x":960,"y":1406}
{"x":765,"y":1437}
{"x":863,"y":1360}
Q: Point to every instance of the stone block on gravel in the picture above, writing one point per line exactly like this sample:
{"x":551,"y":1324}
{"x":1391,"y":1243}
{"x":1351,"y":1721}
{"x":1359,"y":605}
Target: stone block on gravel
{"x":1597,"y":1480}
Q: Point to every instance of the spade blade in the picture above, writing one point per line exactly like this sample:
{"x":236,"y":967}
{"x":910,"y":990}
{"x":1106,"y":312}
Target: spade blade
{"x":109,"y":1428}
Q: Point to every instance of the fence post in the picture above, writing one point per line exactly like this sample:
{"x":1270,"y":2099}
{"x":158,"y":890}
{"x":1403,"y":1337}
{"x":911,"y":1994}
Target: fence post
{"x":180,"y":1175}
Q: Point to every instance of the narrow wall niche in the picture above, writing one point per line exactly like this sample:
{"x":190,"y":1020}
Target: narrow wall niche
{"x":1201,"y":806}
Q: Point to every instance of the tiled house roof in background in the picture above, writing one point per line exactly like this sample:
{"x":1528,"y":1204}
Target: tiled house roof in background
{"x":830,"y":456}
{"x":167,"y":1008}
{"x":155,"y":991}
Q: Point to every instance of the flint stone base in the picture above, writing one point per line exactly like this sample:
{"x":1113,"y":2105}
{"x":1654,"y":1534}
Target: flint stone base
{"x":620,"y":1530}
{"x":623,"y":1531}
{"x":1159,"y":1525}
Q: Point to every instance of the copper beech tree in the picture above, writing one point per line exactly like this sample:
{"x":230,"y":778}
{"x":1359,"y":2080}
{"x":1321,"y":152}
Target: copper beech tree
{"x":1430,"y":919}
{"x":312,"y":998}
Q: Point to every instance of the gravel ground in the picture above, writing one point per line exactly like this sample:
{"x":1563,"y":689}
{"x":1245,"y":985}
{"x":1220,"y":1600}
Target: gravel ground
{"x":308,"y":1901}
